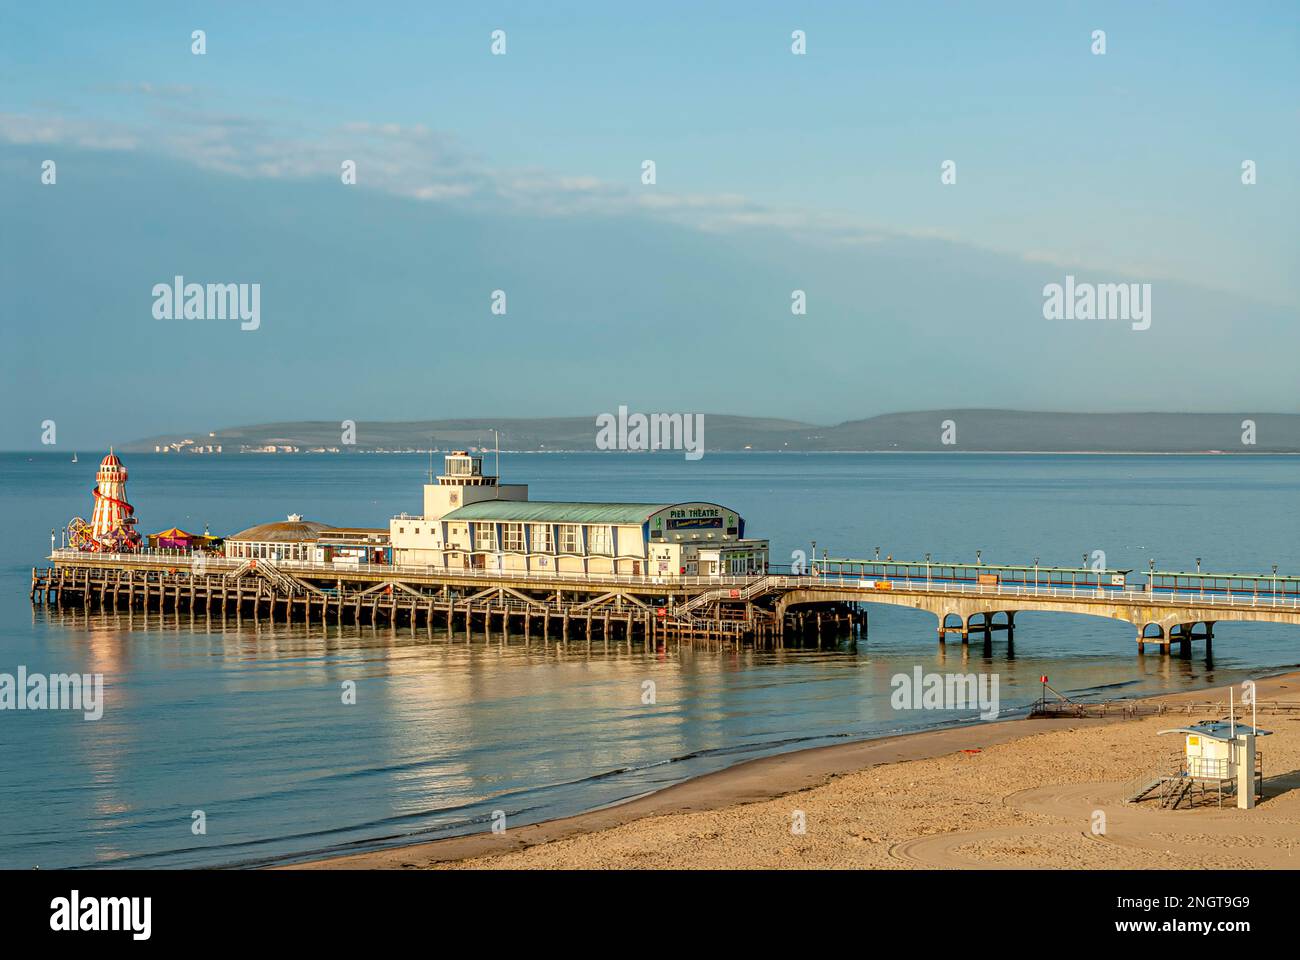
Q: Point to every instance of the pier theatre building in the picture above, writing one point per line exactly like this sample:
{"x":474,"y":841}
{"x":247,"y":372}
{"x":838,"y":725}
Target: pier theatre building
{"x":471,"y":521}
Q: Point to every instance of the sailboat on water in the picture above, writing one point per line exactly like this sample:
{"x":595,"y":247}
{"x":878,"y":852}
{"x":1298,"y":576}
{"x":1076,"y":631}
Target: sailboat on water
{"x":74,"y":456}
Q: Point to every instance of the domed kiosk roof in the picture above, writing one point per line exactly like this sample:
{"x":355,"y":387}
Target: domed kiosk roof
{"x":293,"y":530}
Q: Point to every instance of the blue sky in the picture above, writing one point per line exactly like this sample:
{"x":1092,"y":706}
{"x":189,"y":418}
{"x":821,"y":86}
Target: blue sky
{"x":774,"y":171}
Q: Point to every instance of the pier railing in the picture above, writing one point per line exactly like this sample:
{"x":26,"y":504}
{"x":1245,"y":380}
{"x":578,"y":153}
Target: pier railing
{"x":738,"y":585}
{"x":1075,"y":591}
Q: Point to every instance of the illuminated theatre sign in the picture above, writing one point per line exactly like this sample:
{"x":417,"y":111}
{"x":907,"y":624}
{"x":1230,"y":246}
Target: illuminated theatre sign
{"x":691,"y":517}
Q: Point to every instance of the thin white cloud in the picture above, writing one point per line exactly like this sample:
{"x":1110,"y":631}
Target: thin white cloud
{"x":424,"y":165}
{"x":409,"y":161}
{"x":23,"y":130}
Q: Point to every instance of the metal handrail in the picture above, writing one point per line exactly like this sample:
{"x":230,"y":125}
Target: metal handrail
{"x":1140,"y":597}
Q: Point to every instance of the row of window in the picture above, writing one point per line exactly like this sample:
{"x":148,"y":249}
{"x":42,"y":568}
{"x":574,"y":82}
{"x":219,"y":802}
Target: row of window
{"x":568,"y":536}
{"x":269,"y":551}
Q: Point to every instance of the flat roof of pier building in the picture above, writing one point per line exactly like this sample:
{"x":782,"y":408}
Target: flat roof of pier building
{"x":552,"y":511}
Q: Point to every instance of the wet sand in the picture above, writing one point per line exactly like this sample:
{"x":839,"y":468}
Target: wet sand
{"x":1017,"y":793}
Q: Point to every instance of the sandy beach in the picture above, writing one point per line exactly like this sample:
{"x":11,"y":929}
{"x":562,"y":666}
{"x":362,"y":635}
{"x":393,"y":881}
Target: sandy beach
{"x":1009,"y":794}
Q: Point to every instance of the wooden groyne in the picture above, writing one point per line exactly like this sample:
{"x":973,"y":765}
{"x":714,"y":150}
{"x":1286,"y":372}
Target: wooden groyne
{"x":1154,"y":708}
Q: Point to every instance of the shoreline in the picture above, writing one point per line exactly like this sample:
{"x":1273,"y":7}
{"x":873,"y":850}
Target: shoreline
{"x":758,"y":781}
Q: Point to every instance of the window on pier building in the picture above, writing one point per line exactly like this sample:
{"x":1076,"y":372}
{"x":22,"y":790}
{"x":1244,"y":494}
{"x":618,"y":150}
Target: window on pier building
{"x":485,"y":536}
{"x":600,"y":540}
{"x":541,"y":538}
{"x":570,"y":538}
{"x":512,"y":536}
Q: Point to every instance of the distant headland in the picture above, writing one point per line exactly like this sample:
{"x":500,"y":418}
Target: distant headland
{"x":953,"y":430}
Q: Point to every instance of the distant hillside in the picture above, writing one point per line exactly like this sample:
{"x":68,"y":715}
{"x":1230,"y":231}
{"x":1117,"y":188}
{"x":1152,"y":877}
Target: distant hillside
{"x":1103,"y":432}
{"x":972,"y":430}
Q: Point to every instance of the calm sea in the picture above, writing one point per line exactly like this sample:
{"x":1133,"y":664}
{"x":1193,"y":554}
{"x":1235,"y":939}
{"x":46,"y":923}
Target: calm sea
{"x":247,"y":724}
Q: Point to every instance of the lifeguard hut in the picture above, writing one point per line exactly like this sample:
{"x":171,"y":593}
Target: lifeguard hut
{"x":1218,"y":756}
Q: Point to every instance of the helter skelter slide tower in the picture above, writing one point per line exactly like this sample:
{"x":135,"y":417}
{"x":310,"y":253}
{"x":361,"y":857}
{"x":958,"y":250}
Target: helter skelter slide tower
{"x":112,"y":525}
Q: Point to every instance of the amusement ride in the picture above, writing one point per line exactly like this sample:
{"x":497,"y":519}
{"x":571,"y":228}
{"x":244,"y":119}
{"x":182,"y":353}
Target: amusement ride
{"x":112,"y":525}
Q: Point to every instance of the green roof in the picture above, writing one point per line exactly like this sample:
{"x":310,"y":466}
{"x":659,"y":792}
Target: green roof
{"x":1223,"y":576}
{"x":543,"y":511}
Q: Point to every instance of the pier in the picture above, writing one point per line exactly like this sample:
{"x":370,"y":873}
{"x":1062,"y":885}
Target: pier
{"x":559,"y":608}
{"x":1166,"y":612}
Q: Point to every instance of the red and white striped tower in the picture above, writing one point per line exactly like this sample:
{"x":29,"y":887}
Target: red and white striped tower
{"x":113,"y":522}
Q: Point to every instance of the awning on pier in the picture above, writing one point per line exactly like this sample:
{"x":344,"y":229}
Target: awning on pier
{"x":177,"y":539}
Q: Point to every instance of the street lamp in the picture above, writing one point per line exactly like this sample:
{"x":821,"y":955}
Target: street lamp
{"x":813,"y":555}
{"x":1198,"y":564}
{"x":977,"y":557}
{"x":1035,"y":574}
{"x":927,"y":571}
{"x":51,"y":540}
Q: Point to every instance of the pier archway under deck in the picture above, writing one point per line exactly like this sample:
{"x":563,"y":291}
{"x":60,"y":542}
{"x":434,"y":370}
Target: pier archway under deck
{"x":946,"y":625}
{"x":1176,"y":623}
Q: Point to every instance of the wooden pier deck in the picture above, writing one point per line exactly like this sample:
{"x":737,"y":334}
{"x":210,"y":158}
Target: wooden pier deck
{"x":560,"y":608}
{"x":763,"y":608}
